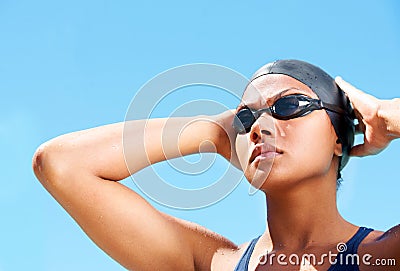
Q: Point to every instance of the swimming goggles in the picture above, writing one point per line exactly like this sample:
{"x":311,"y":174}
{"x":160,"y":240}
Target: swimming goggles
{"x":285,"y":108}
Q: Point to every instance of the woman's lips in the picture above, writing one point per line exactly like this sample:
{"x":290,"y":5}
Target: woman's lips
{"x":264,"y":152}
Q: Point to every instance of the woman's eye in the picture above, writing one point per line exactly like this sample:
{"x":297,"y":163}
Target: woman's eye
{"x":287,"y":102}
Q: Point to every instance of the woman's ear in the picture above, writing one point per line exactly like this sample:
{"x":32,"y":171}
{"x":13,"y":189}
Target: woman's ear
{"x":338,"y":148}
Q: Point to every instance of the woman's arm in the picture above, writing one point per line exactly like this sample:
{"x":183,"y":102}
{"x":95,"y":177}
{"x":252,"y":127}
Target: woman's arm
{"x":77,"y":168}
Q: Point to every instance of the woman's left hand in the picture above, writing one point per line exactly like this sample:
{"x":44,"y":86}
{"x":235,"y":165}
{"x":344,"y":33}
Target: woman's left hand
{"x":378,"y":120}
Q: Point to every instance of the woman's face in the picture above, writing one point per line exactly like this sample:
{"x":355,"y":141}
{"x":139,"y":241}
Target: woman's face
{"x":279,"y":154}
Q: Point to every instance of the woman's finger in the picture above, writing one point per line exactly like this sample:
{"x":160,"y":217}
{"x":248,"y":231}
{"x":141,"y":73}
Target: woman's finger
{"x":360,"y":100}
{"x":351,"y":91}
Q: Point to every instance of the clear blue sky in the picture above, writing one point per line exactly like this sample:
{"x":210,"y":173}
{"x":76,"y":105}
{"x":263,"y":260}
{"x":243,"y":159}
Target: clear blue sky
{"x":70,"y":65}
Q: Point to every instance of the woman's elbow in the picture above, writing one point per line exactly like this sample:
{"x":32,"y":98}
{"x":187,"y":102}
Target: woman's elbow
{"x":48,"y":163}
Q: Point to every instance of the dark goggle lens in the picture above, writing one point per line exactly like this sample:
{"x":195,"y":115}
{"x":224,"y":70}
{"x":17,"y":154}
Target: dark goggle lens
{"x":286,"y":106}
{"x":243,"y":121}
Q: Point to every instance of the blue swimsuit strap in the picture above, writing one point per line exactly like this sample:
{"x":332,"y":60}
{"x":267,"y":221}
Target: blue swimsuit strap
{"x":351,"y":248}
{"x":243,"y":264}
{"x":355,"y":241}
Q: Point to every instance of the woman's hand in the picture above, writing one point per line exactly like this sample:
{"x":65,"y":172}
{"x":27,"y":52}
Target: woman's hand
{"x":226,"y":137}
{"x":378,"y":120}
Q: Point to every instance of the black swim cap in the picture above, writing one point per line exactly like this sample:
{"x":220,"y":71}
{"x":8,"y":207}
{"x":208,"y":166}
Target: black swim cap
{"x":327,"y":91}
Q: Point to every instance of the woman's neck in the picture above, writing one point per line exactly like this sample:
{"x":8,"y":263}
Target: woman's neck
{"x":305,"y":216}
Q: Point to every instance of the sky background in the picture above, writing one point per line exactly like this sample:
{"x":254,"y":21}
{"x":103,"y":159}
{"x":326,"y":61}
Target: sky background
{"x":71,"y":65}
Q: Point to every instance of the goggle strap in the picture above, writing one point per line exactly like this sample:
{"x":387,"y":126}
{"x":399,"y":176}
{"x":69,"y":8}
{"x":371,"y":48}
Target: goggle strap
{"x":333,"y":108}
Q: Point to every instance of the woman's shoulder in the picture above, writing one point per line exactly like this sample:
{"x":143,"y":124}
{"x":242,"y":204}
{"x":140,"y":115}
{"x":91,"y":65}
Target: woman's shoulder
{"x":381,"y":247}
{"x":378,"y":238}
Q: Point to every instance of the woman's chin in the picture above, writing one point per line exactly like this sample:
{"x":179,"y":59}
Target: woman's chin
{"x":269,"y":180}
{"x":258,"y":170}
{"x":258,"y":178}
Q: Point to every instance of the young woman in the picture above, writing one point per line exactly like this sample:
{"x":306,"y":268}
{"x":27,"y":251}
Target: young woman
{"x":292,"y":111}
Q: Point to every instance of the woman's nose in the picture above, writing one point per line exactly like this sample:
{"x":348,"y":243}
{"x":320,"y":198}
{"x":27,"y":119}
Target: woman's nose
{"x":263,"y":127}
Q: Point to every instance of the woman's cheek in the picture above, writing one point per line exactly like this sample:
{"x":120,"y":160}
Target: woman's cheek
{"x":315,"y":147}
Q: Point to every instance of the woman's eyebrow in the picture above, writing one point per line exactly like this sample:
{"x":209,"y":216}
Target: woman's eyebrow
{"x":280,"y":94}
